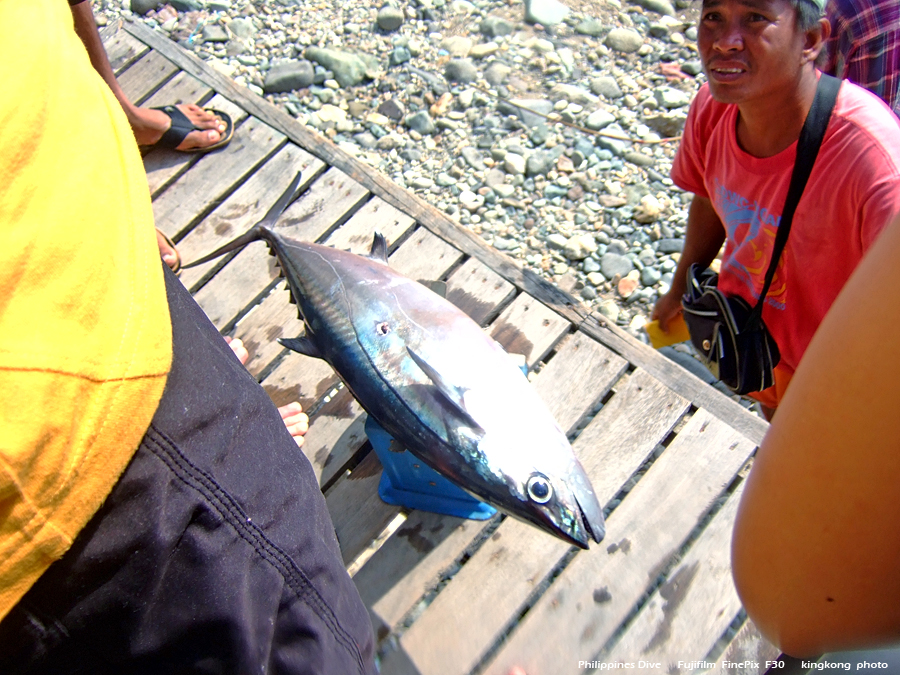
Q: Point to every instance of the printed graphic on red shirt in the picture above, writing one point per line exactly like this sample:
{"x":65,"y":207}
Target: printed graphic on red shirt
{"x":751,"y":231}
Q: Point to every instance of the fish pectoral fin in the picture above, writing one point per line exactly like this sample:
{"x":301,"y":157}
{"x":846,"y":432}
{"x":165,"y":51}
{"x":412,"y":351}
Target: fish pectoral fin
{"x":302,"y":345}
{"x":379,"y":250}
{"x":451,"y":392}
{"x":438,"y":287}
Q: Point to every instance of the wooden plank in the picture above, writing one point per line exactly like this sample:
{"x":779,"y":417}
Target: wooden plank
{"x":478,"y":291}
{"x":164,"y":166}
{"x":242,"y":209}
{"x":122,"y":49}
{"x":572,"y":380}
{"x":529,"y":328}
{"x":689,"y":612}
{"x":356,"y":509}
{"x":375,"y":216}
{"x":410,"y":563}
{"x":145,"y":76}
{"x":328,"y":201}
{"x":273,"y":318}
{"x":498,"y":579}
{"x":424,"y":257}
{"x":336,"y":434}
{"x":747,"y":653}
{"x":182,"y":88}
{"x":685,"y":383}
{"x":470,"y":244}
{"x":589,"y":600}
{"x":213,"y":176}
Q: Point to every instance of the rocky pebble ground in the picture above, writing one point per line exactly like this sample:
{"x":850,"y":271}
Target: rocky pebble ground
{"x":541,"y":126}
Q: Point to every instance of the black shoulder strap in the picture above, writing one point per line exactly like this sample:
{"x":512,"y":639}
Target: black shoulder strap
{"x":811,"y":136}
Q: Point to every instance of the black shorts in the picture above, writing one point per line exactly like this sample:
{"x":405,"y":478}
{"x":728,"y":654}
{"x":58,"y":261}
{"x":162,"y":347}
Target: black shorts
{"x":214,"y":553}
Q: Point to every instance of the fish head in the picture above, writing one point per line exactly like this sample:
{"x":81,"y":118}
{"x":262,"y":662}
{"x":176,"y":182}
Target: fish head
{"x":547,"y":487}
{"x":564,"y":505}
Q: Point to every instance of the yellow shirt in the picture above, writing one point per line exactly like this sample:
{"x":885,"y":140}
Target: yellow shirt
{"x":85,"y":337}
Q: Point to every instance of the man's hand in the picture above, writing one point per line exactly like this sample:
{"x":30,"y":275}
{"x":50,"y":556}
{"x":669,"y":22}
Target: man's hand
{"x":667,"y":308}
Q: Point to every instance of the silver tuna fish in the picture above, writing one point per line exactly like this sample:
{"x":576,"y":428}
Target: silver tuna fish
{"x":434,"y":380}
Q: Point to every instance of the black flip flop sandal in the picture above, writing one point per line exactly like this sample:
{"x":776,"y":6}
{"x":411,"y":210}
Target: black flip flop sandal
{"x":181,"y":126}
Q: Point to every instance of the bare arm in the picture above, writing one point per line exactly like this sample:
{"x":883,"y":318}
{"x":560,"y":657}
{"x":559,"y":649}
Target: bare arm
{"x":816,"y":544}
{"x":86,"y":28}
{"x":703,"y":239}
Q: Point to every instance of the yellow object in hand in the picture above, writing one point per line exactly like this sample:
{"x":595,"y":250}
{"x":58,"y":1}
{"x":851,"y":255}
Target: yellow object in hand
{"x":677,"y":332}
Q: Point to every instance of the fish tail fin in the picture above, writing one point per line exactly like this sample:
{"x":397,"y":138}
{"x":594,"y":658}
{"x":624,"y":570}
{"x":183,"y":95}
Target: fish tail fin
{"x":255,"y":232}
{"x":252,"y":234}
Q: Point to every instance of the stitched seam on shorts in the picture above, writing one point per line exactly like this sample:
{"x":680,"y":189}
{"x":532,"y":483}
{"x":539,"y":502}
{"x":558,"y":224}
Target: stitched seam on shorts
{"x":200,"y":481}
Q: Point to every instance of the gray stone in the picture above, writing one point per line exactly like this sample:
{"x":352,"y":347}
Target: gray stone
{"x":539,"y":134}
{"x":614,"y":145}
{"x":420,"y":122}
{"x":242,"y":27}
{"x":522,"y":109}
{"x":624,"y":40}
{"x":663,"y":7}
{"x":668,"y":97}
{"x":670,"y":245}
{"x":461,"y":70}
{"x":218,"y":5}
{"x":445,"y":180}
{"x":589,"y":293}
{"x":458,"y":46}
{"x":365,"y":140}
{"x":590,"y":265}
{"x":349,"y":69}
{"x":186,"y":5}
{"x":579,"y":247}
{"x":514,"y":163}
{"x":557,"y":241}
{"x":288,"y":76}
{"x":473,"y":158}
{"x":590,"y":27}
{"x":610,"y":310}
{"x":539,"y":163}
{"x":495,"y":26}
{"x":496,"y":73}
{"x":545,"y":12}
{"x":606,"y":86}
{"x":393,"y":109}
{"x":494,"y":178}
{"x":599,"y":119}
{"x":638,"y":158}
{"x":668,"y":124}
{"x":583,"y":147}
{"x":650,"y":276}
{"x":693,"y":67}
{"x":143,"y":6}
{"x":213,"y":32}
{"x":612,"y":264}
{"x":400,"y":54}
{"x":389,"y":18}
{"x":572,"y":94}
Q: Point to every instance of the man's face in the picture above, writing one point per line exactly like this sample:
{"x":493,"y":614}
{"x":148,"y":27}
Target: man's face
{"x":751,"y":49}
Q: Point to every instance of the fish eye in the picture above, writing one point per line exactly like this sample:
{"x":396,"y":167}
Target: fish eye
{"x":383,"y":328}
{"x":539,"y":490}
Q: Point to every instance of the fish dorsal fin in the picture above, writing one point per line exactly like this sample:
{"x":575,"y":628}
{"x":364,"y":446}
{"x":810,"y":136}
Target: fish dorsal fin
{"x":439,"y":287}
{"x":301,"y":345}
{"x":379,"y":250}
{"x":451,"y":392}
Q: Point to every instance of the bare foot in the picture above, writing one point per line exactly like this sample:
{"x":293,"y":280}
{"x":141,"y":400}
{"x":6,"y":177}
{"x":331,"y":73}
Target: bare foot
{"x":149,"y":125}
{"x":296,"y":421}
{"x":167,"y":252}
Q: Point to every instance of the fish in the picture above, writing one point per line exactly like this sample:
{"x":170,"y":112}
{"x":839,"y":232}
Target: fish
{"x":433,"y":379}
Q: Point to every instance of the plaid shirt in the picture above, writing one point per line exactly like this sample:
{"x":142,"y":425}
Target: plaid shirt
{"x":864,"y":46}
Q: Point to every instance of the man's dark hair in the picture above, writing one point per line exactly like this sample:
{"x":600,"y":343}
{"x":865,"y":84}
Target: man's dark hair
{"x":808,"y":14}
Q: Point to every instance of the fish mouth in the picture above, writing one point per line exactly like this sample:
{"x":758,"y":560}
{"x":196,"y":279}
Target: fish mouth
{"x":591,"y":519}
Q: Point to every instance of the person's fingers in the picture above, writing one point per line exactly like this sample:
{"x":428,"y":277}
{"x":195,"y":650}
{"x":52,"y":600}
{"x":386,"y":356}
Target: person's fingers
{"x":237,"y":346}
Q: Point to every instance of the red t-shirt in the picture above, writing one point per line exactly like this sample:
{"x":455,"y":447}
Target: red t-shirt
{"x":853,"y":191}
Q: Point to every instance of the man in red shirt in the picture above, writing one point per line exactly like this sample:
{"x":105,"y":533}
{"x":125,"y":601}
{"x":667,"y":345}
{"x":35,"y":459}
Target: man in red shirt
{"x":737,"y":155}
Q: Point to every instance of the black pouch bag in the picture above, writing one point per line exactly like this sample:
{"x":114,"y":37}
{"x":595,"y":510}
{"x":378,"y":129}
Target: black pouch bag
{"x":730,"y":336}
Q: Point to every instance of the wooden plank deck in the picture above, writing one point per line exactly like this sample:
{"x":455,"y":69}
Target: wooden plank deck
{"x":666,"y":453}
